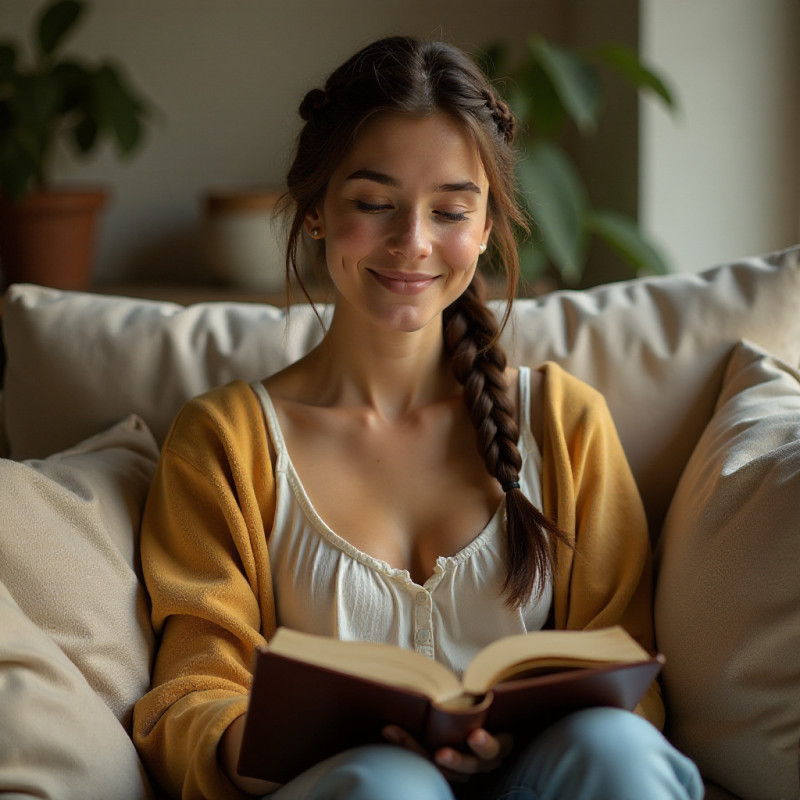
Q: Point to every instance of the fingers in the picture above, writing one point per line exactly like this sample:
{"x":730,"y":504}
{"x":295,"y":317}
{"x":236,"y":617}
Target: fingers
{"x":484,"y":745}
{"x":487,"y":752}
{"x":401,"y":738}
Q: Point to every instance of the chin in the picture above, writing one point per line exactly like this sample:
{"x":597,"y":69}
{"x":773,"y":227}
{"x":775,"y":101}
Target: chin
{"x":407,"y":319}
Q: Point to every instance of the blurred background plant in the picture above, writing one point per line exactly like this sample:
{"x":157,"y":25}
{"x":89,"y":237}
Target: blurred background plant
{"x":551,"y":89}
{"x":53,"y":98}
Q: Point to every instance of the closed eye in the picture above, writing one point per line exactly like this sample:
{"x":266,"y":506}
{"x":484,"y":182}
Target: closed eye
{"x":451,"y":216}
{"x":373,"y":208}
{"x":378,"y":208}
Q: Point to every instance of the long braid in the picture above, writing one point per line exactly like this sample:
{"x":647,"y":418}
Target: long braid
{"x":478,"y":362}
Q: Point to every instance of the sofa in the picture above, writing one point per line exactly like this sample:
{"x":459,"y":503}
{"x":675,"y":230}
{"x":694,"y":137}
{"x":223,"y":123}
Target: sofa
{"x":700,"y":374}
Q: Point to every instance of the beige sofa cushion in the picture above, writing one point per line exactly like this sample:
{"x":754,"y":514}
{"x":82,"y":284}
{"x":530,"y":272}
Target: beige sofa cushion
{"x":728,"y":596}
{"x":655,"y":347}
{"x":68,"y":537}
{"x":57,"y":738}
{"x":4,"y":447}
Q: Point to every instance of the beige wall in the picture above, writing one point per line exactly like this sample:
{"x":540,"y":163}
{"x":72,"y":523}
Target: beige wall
{"x":723,"y":179}
{"x":227,"y":76}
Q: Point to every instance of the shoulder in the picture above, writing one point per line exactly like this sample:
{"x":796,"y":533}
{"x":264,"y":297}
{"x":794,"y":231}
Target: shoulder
{"x":225,"y":418}
{"x":566,"y":408}
{"x":563,"y":392}
{"x":223,"y":405}
{"x":557,"y":399}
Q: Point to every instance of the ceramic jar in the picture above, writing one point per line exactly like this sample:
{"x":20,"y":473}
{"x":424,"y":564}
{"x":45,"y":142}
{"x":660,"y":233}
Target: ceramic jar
{"x":243,"y":238}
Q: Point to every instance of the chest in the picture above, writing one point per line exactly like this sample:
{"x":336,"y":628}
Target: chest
{"x":404,"y":493}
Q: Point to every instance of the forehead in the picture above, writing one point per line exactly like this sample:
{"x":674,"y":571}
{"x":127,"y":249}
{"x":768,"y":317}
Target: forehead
{"x":434,"y":149}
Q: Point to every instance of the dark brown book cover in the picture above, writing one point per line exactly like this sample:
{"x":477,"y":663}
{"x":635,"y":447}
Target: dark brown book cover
{"x":301,"y":714}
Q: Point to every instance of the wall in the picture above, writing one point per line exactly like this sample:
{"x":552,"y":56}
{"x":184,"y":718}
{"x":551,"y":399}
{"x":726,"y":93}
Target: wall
{"x":722,"y":179}
{"x":227,"y":77}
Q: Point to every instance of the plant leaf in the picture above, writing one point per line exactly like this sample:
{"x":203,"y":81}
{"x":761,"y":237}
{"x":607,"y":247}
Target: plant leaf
{"x":8,"y":62}
{"x":624,"y":235}
{"x":491,"y":59}
{"x":56,"y":22}
{"x":118,"y":110}
{"x":85,"y":135}
{"x":18,"y":168}
{"x":625,"y":61}
{"x":532,"y":260}
{"x":557,"y":201}
{"x":574,"y":80}
{"x":534,"y":100}
{"x":74,"y":86}
{"x":33,"y":106}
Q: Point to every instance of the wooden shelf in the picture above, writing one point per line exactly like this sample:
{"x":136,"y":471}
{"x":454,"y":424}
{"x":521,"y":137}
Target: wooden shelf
{"x":186,"y":294}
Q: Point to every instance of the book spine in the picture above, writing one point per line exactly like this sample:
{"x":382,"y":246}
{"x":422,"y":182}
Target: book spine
{"x":449,"y":727}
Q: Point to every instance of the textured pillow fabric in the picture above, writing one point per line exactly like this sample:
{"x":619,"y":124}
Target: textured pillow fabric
{"x":4,"y":448}
{"x":728,"y":597}
{"x":68,"y":538}
{"x":78,"y":362}
{"x":655,"y":347}
{"x":58,"y":740}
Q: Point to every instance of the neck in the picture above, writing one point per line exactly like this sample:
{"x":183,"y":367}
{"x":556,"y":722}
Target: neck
{"x":392,"y":372}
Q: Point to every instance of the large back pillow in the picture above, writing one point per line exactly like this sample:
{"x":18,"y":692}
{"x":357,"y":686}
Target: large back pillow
{"x":656,"y":347}
{"x":727,"y":606}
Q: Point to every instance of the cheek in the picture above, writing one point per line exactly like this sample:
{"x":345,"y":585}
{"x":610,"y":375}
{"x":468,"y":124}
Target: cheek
{"x":460,"y":249}
{"x":352,"y":235}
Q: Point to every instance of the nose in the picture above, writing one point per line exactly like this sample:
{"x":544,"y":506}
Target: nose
{"x":410,"y":237}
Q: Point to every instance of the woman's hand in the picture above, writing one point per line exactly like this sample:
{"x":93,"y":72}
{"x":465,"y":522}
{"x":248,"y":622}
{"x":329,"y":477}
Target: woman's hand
{"x":487,"y":752}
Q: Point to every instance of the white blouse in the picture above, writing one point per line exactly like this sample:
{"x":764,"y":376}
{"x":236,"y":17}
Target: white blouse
{"x":325,"y":585}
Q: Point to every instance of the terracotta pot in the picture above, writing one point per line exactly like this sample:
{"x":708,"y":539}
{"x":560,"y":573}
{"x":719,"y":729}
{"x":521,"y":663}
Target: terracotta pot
{"x":48,"y":237}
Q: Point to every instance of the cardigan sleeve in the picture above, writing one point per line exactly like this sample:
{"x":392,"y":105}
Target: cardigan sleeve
{"x":589,"y":490}
{"x":205,"y":564}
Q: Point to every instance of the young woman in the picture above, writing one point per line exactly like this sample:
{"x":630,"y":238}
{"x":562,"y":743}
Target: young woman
{"x":400,"y":483}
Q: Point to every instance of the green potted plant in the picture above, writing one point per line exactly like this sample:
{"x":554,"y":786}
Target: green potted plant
{"x":550,"y":89}
{"x":47,"y":232}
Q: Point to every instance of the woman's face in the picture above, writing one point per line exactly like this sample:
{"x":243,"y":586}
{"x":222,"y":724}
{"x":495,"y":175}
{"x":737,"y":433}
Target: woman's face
{"x":403,"y":219}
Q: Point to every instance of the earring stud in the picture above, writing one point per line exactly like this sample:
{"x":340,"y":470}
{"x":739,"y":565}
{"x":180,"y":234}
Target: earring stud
{"x":483,"y":247}
{"x":315,"y":232}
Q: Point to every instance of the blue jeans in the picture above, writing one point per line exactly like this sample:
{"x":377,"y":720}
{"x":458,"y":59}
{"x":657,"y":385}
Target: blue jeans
{"x":598,"y":754}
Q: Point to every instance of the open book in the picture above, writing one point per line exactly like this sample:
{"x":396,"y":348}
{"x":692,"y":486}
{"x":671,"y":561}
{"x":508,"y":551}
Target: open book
{"x":314,"y":696}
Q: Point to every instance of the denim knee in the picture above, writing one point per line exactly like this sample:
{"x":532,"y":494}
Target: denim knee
{"x":628,"y":755}
{"x":603,"y":753}
{"x":382,"y":771}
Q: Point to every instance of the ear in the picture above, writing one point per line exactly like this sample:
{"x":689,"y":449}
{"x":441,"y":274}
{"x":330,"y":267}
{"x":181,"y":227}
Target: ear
{"x":487,"y":229}
{"x":313,"y":222}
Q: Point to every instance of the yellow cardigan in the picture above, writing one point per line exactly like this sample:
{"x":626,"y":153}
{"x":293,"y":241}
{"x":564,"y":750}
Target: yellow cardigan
{"x":206,"y":565}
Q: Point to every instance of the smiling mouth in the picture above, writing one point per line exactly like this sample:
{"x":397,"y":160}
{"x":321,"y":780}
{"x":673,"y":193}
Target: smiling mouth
{"x":404,"y":283}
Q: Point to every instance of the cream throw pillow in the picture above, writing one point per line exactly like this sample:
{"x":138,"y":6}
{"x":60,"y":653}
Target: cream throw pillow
{"x":4,"y":448}
{"x":728,"y":596}
{"x":68,"y":538}
{"x":654,"y":347}
{"x":58,"y":740}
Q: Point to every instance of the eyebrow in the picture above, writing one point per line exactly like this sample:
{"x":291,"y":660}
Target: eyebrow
{"x":388,"y":180}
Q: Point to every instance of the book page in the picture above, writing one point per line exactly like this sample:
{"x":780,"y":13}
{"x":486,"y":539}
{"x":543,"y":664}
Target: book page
{"x":513,"y":656}
{"x":385,"y":663}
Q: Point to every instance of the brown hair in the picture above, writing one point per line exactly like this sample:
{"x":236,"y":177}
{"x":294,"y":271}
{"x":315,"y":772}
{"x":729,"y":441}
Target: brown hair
{"x":401,"y":75}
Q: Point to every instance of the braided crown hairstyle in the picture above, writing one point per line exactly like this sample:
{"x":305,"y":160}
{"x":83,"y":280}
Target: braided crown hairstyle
{"x":401,"y":75}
